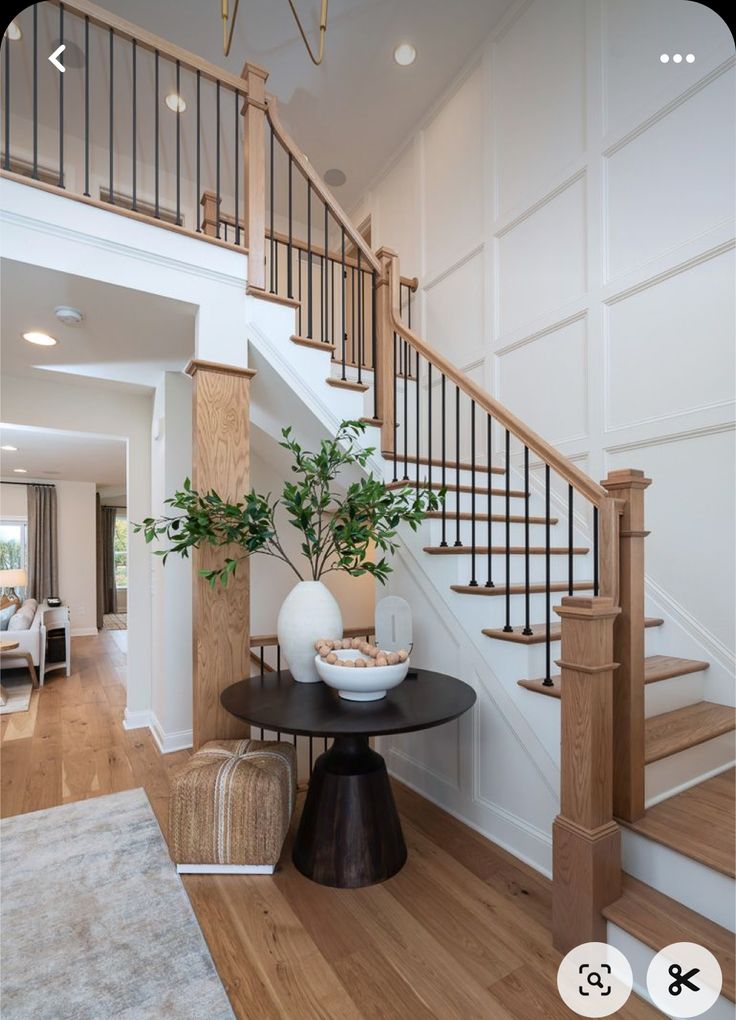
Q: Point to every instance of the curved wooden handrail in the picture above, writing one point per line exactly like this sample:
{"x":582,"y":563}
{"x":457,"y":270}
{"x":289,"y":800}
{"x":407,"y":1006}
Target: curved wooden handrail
{"x":306,"y":168}
{"x":564,"y":467}
{"x":126,"y":29}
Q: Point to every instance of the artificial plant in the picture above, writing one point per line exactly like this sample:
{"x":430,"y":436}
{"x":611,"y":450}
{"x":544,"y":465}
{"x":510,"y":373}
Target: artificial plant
{"x":338,"y":528}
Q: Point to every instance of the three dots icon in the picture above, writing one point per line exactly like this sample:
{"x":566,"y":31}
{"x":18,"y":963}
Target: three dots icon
{"x":677,"y":58}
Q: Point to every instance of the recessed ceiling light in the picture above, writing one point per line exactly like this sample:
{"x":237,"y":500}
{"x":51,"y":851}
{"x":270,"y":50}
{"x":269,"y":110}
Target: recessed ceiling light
{"x":41,"y":339}
{"x":20,"y":471}
{"x":405,"y":54}
{"x":13,"y":32}
{"x":69,"y":316}
{"x":9,"y":448}
{"x":335,"y":178}
{"x":175,"y":103}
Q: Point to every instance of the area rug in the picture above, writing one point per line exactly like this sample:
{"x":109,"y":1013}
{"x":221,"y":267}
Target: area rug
{"x":18,"y":692}
{"x":95,"y":921}
{"x":115,"y":621}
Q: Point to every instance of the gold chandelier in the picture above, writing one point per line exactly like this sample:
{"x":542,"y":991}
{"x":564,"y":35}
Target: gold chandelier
{"x":229,"y":25}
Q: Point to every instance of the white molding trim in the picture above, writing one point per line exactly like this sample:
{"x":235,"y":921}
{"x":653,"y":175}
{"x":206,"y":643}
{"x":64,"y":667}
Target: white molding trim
{"x":694,"y":628}
{"x":225,"y":869}
{"x":452,"y":267}
{"x":85,"y":632}
{"x":136,"y":720}
{"x":702,"y":777}
{"x":167,"y":743}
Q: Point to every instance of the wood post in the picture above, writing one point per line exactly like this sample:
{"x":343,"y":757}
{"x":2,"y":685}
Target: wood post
{"x":586,"y":854}
{"x":628,"y":487}
{"x":254,"y":163}
{"x":209,"y":213}
{"x":384,"y":376}
{"x":221,"y":617}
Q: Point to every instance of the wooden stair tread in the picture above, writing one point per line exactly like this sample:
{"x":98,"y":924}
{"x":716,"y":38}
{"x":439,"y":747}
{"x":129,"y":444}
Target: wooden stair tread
{"x":402,"y":483}
{"x":465,"y":515}
{"x":519,"y":589}
{"x":347,"y":384}
{"x":317,"y":345}
{"x":658,"y":921}
{"x":664,"y":667}
{"x":700,"y":823}
{"x":539,"y":632}
{"x":654,"y":669}
{"x":480,"y":469}
{"x":514,"y":550}
{"x":686,"y":727}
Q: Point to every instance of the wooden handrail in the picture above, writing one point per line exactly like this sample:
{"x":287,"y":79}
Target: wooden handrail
{"x":100,"y":16}
{"x":270,"y":640}
{"x":583,"y":483}
{"x":308,"y":171}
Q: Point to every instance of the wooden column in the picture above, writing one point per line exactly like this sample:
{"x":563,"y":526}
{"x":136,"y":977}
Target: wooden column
{"x":385,"y":299}
{"x":628,"y":487}
{"x":221,"y":617}
{"x":209,"y":213}
{"x":254,"y":163}
{"x":586,"y":847}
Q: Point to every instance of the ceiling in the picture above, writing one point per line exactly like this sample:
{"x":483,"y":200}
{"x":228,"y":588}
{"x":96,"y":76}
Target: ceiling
{"x":127,"y":338}
{"x":48,"y":454}
{"x":355,"y":111}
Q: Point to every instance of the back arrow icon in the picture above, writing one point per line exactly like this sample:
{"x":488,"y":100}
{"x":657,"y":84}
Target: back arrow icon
{"x":54,"y":58}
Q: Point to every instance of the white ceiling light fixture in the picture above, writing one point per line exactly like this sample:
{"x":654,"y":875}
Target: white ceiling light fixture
{"x":175,"y":103}
{"x":405,"y":54}
{"x":69,"y":316}
{"x":20,"y":471}
{"x":13,"y":32}
{"x":335,"y":178}
{"x":9,"y":448}
{"x":40,"y":339}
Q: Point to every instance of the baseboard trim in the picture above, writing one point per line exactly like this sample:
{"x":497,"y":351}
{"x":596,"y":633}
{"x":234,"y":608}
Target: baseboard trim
{"x":225,"y":869}
{"x":136,"y":720}
{"x":85,"y":632}
{"x":167,"y":743}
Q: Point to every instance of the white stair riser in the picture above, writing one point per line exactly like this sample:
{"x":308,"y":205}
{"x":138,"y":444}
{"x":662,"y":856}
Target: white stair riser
{"x":677,"y":692}
{"x":641,"y":955}
{"x":691,"y":883}
{"x":461,"y":566}
{"x":680,"y":771}
{"x":432,"y":530}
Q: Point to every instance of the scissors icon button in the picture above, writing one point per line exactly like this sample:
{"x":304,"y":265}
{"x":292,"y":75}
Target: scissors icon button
{"x":675,"y":971}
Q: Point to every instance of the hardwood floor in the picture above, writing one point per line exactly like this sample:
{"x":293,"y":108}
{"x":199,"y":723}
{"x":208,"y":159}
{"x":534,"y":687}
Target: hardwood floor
{"x":461,"y":933}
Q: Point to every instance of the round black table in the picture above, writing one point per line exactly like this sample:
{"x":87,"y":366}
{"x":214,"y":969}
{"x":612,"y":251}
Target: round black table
{"x":349,"y":834}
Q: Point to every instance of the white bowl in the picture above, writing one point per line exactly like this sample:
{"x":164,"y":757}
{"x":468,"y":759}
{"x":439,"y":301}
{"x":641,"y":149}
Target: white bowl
{"x":360,"y":684}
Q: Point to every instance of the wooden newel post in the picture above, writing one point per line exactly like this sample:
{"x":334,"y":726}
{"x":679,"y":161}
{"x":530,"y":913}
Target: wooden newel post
{"x":254,"y":164}
{"x":221,"y":617}
{"x":586,"y":847}
{"x":628,"y":488}
{"x":386,"y":298}
{"x":209,"y":213}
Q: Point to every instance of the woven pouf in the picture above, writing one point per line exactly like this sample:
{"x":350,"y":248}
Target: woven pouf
{"x":231,"y":805}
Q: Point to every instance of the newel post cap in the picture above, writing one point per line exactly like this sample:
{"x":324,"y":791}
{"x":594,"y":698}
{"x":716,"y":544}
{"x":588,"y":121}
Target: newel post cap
{"x":626,"y":478}
{"x":594,"y":607}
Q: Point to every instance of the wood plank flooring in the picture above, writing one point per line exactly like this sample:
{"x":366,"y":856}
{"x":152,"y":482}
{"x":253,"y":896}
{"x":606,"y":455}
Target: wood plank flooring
{"x":461,"y":933}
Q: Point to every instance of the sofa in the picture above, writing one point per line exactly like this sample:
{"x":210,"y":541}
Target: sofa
{"x":26,"y":626}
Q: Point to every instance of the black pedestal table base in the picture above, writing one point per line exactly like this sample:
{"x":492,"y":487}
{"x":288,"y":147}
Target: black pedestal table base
{"x":349,"y":834}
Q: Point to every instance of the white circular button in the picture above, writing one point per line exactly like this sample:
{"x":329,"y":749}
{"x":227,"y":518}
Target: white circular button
{"x":594,"y":979}
{"x":684,"y":979}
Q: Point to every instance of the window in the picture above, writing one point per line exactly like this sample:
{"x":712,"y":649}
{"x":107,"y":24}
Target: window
{"x":13,"y":545}
{"x":120,"y":548}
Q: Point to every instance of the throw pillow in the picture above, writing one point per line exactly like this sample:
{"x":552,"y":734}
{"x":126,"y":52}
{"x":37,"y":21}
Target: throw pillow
{"x":5,"y":615}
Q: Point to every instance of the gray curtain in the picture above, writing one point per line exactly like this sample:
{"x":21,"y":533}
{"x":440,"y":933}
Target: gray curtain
{"x":43,"y":551}
{"x":107,"y":596}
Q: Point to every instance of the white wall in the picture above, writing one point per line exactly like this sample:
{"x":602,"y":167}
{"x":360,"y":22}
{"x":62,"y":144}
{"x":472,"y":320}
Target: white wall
{"x":569,"y":210}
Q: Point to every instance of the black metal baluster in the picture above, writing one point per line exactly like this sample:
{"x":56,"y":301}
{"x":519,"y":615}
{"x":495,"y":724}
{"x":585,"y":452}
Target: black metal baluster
{"x":473,"y":579}
{"x":111,"y":197}
{"x":325,"y":281}
{"x":595,"y":550}
{"x":155,"y":128}
{"x":418,"y":449}
{"x":406,"y":422}
{"x":344,"y":300}
{"x":489,"y":498}
{"x":396,"y":410}
{"x":134,"y":165}
{"x":61,"y":102}
{"x":507,"y":625}
{"x":353,"y":359}
{"x":443,"y":382}
{"x":86,"y":105}
{"x":272,"y":247}
{"x":35,"y":91}
{"x":457,"y":466}
{"x":217,"y":159}
{"x":198,"y":196}
{"x":178,"y":150}
{"x":299,"y":286}
{"x":570,"y":491}
{"x":360,"y":320}
{"x":429,"y":419}
{"x":547,"y":682}
{"x":527,"y":626}
{"x":289,"y":249}
{"x":237,"y":168}
{"x":309,"y":258}
{"x":6,"y":161}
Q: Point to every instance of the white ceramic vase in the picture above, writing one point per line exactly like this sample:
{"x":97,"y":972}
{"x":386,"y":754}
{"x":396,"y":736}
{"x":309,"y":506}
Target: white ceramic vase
{"x":308,"y":612}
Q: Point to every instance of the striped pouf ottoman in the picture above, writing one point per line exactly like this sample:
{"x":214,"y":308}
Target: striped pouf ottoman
{"x":230,"y":807}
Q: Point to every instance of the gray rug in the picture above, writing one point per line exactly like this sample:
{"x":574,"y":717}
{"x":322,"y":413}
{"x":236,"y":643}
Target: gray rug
{"x":95,"y":921}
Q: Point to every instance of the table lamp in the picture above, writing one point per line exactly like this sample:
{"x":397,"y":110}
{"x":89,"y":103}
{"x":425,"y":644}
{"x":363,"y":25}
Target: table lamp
{"x":11,"y":578}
